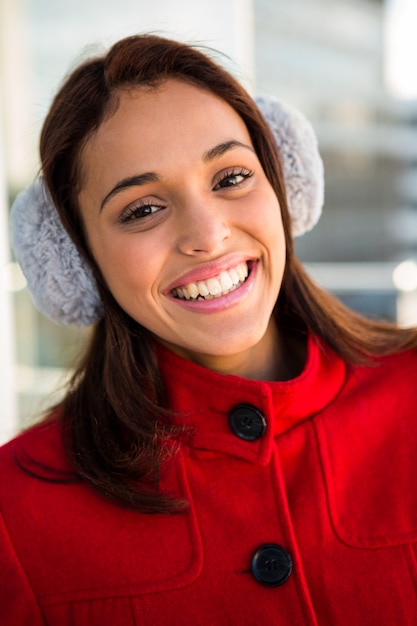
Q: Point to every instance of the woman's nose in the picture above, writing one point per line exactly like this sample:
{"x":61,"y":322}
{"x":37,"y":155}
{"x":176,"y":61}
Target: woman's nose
{"x":203,"y":230}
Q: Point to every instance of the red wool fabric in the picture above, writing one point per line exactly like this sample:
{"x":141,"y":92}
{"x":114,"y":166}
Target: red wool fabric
{"x":332,"y":480}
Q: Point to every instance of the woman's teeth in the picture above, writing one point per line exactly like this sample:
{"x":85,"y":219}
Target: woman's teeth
{"x":213,"y":287}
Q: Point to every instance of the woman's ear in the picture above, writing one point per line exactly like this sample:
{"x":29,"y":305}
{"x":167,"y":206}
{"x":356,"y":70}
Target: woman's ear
{"x":59,"y":279}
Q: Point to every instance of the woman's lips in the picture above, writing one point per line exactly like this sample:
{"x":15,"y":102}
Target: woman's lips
{"x":223,"y":301}
{"x":215,"y":286}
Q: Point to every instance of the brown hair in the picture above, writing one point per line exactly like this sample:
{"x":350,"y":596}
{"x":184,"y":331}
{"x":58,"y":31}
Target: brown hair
{"x":113,"y":415}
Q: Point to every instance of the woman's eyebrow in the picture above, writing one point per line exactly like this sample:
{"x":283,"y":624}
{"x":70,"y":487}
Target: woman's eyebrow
{"x":221,"y":148}
{"x":151,"y":177}
{"x":132,"y":181}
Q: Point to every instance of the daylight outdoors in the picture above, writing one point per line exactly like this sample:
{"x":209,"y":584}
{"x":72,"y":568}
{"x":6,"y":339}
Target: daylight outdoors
{"x":348,"y":65}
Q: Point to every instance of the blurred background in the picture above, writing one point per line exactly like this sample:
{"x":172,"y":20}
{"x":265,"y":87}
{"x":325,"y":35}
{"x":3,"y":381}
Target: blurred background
{"x":349,"y":65}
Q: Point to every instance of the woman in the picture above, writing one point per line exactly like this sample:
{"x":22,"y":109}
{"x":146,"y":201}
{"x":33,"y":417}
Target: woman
{"x":235,"y":447}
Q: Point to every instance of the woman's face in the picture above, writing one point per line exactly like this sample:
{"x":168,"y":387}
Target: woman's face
{"x":183,"y":223}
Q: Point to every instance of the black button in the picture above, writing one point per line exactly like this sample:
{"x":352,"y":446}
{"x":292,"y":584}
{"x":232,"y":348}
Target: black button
{"x":247,"y":422}
{"x":271,"y":565}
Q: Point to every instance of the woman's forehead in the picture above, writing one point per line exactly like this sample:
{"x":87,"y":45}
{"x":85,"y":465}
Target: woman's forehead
{"x":174,"y":116}
{"x":158,"y":103}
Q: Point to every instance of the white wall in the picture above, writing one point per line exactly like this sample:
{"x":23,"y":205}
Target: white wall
{"x":8,"y":415}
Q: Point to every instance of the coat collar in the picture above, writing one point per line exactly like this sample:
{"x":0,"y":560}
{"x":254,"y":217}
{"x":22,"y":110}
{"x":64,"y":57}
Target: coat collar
{"x":203,"y":399}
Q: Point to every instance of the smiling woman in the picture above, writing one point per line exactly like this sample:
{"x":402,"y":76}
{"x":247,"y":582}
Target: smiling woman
{"x":189,"y":204}
{"x":232,"y":430}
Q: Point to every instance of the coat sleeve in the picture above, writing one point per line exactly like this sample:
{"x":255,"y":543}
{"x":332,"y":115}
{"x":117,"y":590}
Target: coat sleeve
{"x":18,"y":603}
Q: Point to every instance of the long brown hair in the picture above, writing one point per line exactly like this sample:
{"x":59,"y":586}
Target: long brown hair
{"x":114,"y":421}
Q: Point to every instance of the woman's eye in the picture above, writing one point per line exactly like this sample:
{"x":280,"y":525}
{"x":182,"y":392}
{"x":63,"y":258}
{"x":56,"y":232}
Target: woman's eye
{"x":233,"y":178}
{"x":137,"y":212}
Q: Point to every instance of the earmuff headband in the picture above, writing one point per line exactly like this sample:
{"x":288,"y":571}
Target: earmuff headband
{"x":60,"y":281}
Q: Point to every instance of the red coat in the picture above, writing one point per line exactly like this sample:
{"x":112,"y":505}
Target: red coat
{"x":331,"y":483}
